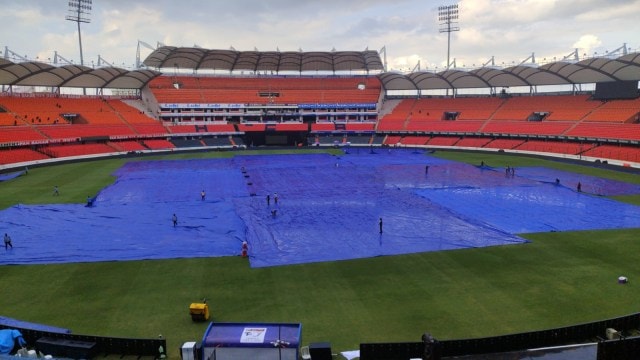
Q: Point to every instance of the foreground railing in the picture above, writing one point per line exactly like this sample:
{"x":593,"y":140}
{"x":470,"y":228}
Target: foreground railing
{"x":614,"y":337}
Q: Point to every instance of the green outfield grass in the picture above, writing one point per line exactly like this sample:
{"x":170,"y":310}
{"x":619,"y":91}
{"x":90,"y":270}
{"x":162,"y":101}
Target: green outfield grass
{"x":557,"y":280}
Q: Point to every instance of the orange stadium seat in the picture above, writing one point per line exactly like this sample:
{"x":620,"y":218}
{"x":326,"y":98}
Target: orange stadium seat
{"x":557,"y":147}
{"x":392,"y":140}
{"x":390,"y":125}
{"x":415,"y":140}
{"x":400,"y":112}
{"x":30,"y":120}
{"x":434,"y":109}
{"x":328,"y":126}
{"x":448,"y":126}
{"x":526,"y":127}
{"x":622,"y":131}
{"x":620,"y":111}
{"x":621,"y":152}
{"x":127,"y":145}
{"x":504,"y":143}
{"x":67,"y":150}
{"x":559,"y":107}
{"x":10,"y":119}
{"x":292,"y":126}
{"x":443,"y":141}
{"x":182,"y":129}
{"x":473,"y":142}
{"x":155,"y":128}
{"x":266,"y":90}
{"x":84,"y":130}
{"x":251,"y":127}
{"x":157,"y":144}
{"x":12,"y":156}
{"x":359,"y":126}
{"x":11,"y":134}
{"x":220,"y":128}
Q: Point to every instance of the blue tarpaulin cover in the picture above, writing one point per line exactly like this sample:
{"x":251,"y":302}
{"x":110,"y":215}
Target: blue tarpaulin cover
{"x":11,"y":175}
{"x":15,"y":323}
{"x":329,"y":209}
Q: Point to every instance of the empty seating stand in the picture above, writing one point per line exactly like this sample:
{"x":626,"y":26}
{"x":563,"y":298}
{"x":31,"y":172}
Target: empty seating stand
{"x":12,"y":156}
{"x":32,"y":126}
{"x":265,"y":90}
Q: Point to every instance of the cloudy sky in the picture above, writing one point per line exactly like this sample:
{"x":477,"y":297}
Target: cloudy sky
{"x":509,"y":30}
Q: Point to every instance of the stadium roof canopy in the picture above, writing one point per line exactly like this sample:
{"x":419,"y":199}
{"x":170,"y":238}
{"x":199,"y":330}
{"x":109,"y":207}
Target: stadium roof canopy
{"x":41,"y":74}
{"x":592,"y":70}
{"x":256,"y":61}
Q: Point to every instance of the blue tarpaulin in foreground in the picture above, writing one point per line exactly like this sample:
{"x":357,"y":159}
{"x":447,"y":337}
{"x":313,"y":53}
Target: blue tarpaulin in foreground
{"x":20,"y":324}
{"x":11,"y":175}
{"x":328,"y":209}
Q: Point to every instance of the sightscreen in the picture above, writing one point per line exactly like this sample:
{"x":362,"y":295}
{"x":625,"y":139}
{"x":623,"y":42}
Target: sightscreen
{"x":616,"y":90}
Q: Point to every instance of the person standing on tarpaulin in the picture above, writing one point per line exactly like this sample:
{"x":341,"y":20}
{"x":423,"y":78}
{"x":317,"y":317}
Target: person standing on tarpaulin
{"x":7,"y":241}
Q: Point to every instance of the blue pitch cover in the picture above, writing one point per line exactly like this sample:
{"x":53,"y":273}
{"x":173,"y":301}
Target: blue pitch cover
{"x":328,"y":208}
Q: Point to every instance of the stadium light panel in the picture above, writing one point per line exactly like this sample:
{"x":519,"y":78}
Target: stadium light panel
{"x":447,"y":16}
{"x":79,"y":11}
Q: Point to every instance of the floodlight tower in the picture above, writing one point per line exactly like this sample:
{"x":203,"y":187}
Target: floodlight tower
{"x":79,"y":11}
{"x":447,"y":16}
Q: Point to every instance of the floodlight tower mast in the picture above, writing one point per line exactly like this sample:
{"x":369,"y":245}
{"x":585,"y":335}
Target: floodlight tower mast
{"x":447,"y":16}
{"x":79,"y":11}
{"x":138,"y":58}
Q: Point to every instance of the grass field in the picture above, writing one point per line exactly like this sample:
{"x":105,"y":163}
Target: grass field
{"x":558,"y":279}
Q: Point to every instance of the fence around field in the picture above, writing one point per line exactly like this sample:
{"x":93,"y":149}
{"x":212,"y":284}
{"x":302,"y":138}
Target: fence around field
{"x":625,"y":345}
{"x":62,"y":343}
